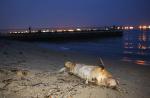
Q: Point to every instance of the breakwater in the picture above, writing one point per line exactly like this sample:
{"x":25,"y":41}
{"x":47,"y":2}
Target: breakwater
{"x":79,"y":35}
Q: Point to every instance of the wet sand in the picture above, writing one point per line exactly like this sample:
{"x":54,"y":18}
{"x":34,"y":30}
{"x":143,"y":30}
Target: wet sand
{"x":29,"y":71}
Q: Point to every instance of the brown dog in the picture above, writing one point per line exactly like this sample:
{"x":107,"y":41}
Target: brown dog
{"x":95,"y":74}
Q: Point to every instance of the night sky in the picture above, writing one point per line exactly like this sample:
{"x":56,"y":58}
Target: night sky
{"x":72,"y":13}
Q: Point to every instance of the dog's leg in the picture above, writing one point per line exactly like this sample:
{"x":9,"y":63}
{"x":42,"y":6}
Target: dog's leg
{"x":86,"y":81}
{"x":62,"y":70}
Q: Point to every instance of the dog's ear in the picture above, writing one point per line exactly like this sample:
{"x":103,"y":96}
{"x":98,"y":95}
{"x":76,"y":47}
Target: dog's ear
{"x":69,"y":64}
{"x":100,"y":63}
{"x":73,"y":64}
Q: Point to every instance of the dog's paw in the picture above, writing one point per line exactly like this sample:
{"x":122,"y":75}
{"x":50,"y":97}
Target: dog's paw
{"x":62,"y":70}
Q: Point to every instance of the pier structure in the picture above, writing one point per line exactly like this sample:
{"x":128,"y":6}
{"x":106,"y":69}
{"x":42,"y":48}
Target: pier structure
{"x":62,"y":34}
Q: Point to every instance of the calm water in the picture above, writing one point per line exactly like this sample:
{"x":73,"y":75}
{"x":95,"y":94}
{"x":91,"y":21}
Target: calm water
{"x":133,"y":47}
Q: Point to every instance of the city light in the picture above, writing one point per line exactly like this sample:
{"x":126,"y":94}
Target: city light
{"x":52,"y":31}
{"x":126,"y":28}
{"x":45,"y":30}
{"x":78,"y":29}
{"x":70,"y":30}
{"x":131,"y":28}
{"x":140,"y":27}
{"x":59,"y":30}
{"x":118,"y":28}
{"x":144,"y":27}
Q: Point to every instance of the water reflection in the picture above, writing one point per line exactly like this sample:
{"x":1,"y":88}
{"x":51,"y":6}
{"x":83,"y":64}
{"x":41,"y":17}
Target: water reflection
{"x":143,"y":36}
{"x":140,"y":62}
{"x":137,"y":47}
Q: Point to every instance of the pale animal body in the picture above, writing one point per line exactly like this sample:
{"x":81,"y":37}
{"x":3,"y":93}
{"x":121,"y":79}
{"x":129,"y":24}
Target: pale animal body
{"x":94,"y":74}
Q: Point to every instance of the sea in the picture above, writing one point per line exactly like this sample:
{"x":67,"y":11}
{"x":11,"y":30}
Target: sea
{"x":133,"y":47}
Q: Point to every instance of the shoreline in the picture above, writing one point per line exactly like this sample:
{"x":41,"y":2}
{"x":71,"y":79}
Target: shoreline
{"x":42,"y":81}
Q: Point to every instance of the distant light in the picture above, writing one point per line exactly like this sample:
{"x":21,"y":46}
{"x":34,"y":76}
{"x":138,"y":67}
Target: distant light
{"x":140,"y":27}
{"x":89,"y":29}
{"x":144,"y":27}
{"x":70,"y":30}
{"x":59,"y":30}
{"x":52,"y":31}
{"x":118,"y":28}
{"x":142,"y":47}
{"x":131,"y":28}
{"x":43,"y":31}
{"x":78,"y":29}
{"x":34,"y":31}
{"x":47,"y":30}
{"x":149,"y":26}
{"x":107,"y":29}
{"x":126,"y":28}
{"x":94,"y":29}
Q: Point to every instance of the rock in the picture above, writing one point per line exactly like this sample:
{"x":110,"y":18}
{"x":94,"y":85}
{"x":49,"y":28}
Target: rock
{"x":22,"y":73}
{"x":2,"y":85}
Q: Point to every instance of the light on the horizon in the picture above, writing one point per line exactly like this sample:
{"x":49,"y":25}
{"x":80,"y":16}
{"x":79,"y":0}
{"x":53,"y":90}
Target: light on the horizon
{"x":126,"y":28}
{"x":78,"y":29}
{"x":131,"y":28}
{"x":45,"y":30}
{"x":143,"y":47}
{"x":33,"y":31}
{"x":70,"y":30}
{"x":149,"y":26}
{"x":64,"y":30}
{"x":59,"y":30}
{"x":144,"y":27}
{"x":118,"y":28}
{"x":52,"y":30}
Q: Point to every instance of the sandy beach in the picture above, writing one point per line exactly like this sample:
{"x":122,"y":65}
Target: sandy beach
{"x":29,"y":71}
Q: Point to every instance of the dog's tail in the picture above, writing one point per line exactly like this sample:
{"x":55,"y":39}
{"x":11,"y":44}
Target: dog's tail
{"x":101,"y":63}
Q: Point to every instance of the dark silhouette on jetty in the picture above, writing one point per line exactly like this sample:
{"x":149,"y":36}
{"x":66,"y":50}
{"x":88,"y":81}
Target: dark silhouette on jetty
{"x":63,"y":35}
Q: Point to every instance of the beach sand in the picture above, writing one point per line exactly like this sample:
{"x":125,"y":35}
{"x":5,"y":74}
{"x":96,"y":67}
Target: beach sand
{"x":29,"y":71}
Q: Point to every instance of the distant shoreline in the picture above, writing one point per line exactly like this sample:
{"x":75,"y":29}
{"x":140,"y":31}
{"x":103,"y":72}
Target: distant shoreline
{"x":75,"y":35}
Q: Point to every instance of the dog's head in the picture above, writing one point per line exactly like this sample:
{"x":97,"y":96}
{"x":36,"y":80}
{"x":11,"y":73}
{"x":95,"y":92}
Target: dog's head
{"x":105,"y":78}
{"x":112,"y":83}
{"x":69,"y":65}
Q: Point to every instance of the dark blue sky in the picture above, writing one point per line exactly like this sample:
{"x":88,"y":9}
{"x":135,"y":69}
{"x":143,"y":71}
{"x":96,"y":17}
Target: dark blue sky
{"x":60,"y":13}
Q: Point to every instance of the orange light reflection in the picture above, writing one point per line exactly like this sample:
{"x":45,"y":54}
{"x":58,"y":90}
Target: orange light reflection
{"x":140,"y":62}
